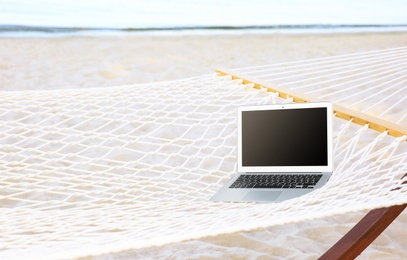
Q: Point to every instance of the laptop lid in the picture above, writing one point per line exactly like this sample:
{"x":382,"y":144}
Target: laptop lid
{"x":285,"y":138}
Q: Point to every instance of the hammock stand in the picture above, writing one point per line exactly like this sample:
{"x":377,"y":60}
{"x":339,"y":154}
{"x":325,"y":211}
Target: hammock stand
{"x":353,"y":243}
{"x":363,"y":233}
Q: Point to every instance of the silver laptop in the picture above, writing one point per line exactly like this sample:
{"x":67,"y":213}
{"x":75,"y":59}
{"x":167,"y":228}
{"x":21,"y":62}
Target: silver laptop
{"x":284,"y":151}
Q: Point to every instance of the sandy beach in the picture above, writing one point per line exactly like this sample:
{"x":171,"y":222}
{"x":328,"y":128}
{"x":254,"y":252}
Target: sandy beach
{"x":85,"y":61}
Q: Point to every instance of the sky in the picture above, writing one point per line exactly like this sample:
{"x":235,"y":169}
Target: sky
{"x":173,"y":13}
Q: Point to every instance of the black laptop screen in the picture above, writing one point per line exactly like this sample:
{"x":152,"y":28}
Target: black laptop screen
{"x":285,"y":137}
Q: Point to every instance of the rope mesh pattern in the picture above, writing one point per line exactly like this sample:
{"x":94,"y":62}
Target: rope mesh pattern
{"x":88,"y":172}
{"x":372,"y":82}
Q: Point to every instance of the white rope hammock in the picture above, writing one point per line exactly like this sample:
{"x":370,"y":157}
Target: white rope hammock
{"x":94,"y":171}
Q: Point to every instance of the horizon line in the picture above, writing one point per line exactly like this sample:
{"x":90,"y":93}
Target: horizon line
{"x":56,"y":29}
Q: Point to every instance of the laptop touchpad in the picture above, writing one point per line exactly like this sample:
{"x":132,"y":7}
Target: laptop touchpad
{"x":262,"y":195}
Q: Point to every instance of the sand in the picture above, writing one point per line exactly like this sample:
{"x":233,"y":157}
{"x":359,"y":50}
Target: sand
{"x":81,"y":62}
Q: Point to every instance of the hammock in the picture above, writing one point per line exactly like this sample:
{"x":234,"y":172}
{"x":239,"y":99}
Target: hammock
{"x":95,"y":171}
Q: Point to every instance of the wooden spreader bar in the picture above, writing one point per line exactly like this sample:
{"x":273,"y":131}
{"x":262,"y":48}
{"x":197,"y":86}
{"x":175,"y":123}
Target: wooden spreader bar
{"x":340,"y":111}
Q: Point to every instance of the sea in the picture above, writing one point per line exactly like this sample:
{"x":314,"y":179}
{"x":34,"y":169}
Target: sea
{"x":112,"y":17}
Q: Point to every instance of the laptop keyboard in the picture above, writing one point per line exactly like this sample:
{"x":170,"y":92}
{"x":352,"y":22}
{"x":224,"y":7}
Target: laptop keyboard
{"x":283,"y":181}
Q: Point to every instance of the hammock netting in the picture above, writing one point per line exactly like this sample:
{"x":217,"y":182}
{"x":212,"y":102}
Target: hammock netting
{"x":94,"y":171}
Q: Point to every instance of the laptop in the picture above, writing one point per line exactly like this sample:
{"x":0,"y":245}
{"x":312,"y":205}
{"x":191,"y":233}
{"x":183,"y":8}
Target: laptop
{"x":284,"y":151}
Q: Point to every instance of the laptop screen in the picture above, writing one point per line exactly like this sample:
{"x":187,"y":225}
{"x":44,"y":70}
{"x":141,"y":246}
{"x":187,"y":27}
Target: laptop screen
{"x":285,"y":137}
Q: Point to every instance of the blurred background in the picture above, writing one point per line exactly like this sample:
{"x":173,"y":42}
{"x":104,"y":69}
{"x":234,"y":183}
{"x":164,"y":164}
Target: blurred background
{"x":133,"y":16}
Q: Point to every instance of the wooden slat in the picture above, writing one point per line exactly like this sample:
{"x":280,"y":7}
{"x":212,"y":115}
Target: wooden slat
{"x":341,"y":112}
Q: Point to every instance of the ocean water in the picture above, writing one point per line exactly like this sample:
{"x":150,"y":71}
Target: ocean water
{"x":129,"y":16}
